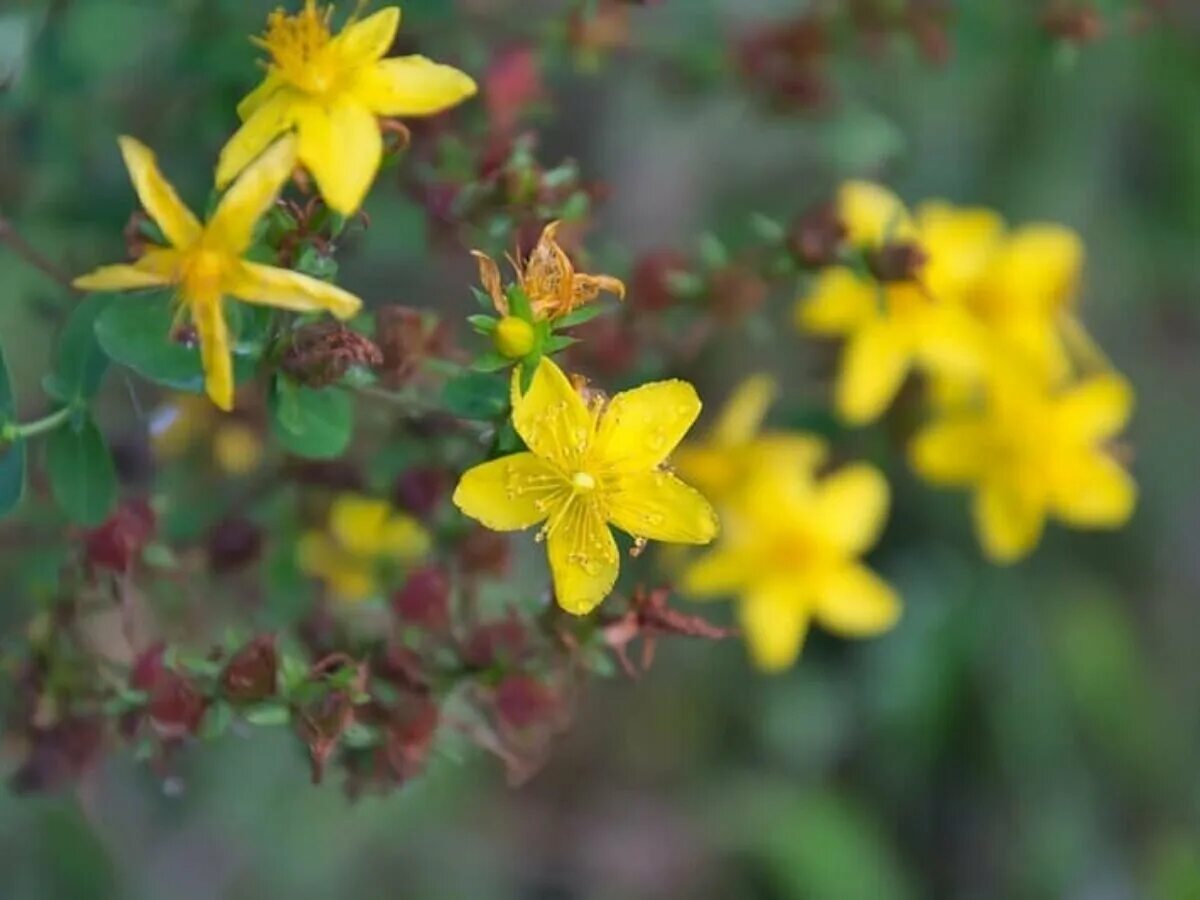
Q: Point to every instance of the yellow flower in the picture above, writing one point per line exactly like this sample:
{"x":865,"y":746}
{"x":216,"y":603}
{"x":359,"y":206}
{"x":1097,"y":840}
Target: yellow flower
{"x":872,"y":215}
{"x":548,"y":279}
{"x":204,"y":262}
{"x":958,"y":243}
{"x":790,"y":550}
{"x":331,"y":88}
{"x":888,"y":329}
{"x":1025,"y":294}
{"x":1030,"y":453}
{"x":187,"y":420}
{"x":736,"y":448}
{"x":587,"y":469}
{"x":363,"y":534}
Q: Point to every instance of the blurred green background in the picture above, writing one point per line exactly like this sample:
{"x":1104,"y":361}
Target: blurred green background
{"x":1024,"y":732}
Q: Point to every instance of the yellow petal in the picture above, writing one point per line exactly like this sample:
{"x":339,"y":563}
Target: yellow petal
{"x":1035,"y":272}
{"x":341,"y":146}
{"x":1094,"y":491}
{"x":855,"y":602}
{"x":405,"y":539}
{"x":254,"y":100}
{"x":510,"y":493}
{"x":660,"y":507}
{"x":249,"y":198}
{"x":1095,"y":409}
{"x":872,"y":215}
{"x":640,"y":428}
{"x":851,"y":507}
{"x":743,"y":413}
{"x":157,"y":196}
{"x":209,"y":318}
{"x":411,"y":86}
{"x":269,"y":119}
{"x":583,"y":559}
{"x":774,"y":618}
{"x":952,"y":452}
{"x":1009,"y":520}
{"x":875,"y":362}
{"x":551,"y":416}
{"x":840,"y":302}
{"x":119,"y":278}
{"x":959,"y":243}
{"x":368,"y":39}
{"x":285,"y":289}
{"x":723,"y":571}
{"x":949,"y":341}
{"x":357,"y":523}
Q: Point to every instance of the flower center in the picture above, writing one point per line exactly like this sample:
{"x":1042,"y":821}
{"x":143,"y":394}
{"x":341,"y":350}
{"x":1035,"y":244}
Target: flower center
{"x":202,"y":271}
{"x":583,"y":483}
{"x":298,"y":46}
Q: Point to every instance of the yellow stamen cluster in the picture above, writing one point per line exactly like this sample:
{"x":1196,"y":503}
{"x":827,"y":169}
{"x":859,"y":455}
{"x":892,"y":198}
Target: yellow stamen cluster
{"x":299,"y":45}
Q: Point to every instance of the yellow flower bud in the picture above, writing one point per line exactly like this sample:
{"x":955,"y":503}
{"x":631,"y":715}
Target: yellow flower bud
{"x":513,"y":337}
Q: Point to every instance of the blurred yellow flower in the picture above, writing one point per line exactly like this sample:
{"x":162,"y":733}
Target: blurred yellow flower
{"x":548,"y":279}
{"x":1029,"y":453}
{"x":872,"y":215}
{"x":888,"y":329}
{"x":736,"y":448}
{"x":588,"y":468}
{"x":186,"y":420}
{"x":204,"y":262}
{"x":363,"y":534}
{"x":1025,"y":294}
{"x":790,"y":551}
{"x":331,"y":88}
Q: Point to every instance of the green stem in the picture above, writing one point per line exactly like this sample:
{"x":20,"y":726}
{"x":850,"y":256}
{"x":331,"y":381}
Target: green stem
{"x":14,"y":431}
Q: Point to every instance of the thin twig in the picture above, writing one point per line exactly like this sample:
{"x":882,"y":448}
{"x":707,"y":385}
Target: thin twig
{"x":10,"y":236}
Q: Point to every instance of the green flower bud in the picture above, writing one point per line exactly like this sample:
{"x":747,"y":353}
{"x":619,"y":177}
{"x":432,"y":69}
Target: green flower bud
{"x":513,"y":337}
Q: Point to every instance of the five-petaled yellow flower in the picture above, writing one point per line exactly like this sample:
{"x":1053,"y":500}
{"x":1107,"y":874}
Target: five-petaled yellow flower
{"x":204,"y":262}
{"x":790,"y":550}
{"x":1030,"y":453}
{"x":548,"y":279}
{"x":589,"y":467}
{"x":889,"y":329}
{"x":331,"y":89}
{"x":736,"y":448}
{"x":364,"y":535}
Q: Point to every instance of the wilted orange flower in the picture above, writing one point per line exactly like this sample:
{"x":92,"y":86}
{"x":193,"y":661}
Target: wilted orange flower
{"x":548,"y":278}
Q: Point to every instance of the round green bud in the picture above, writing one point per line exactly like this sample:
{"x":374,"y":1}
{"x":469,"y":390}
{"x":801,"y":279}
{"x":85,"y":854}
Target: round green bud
{"x":513,"y":337}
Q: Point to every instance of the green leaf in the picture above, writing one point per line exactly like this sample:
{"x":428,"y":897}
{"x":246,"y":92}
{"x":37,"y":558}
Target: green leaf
{"x":491,"y":362}
{"x":476,"y":396}
{"x":581,"y":315}
{"x":79,"y":363}
{"x":312,"y":262}
{"x":483,"y":324}
{"x":558,"y":342}
{"x":82,"y":476}
{"x":12,"y":476}
{"x":518,"y":303}
{"x":12,"y":455}
{"x":136,"y":332}
{"x":216,"y":721}
{"x":268,"y":714}
{"x":316,"y":424}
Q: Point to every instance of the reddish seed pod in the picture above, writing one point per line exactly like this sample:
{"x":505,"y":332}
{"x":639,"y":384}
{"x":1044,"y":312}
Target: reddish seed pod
{"x":424,"y":600}
{"x":118,"y":543}
{"x":250,"y":675}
